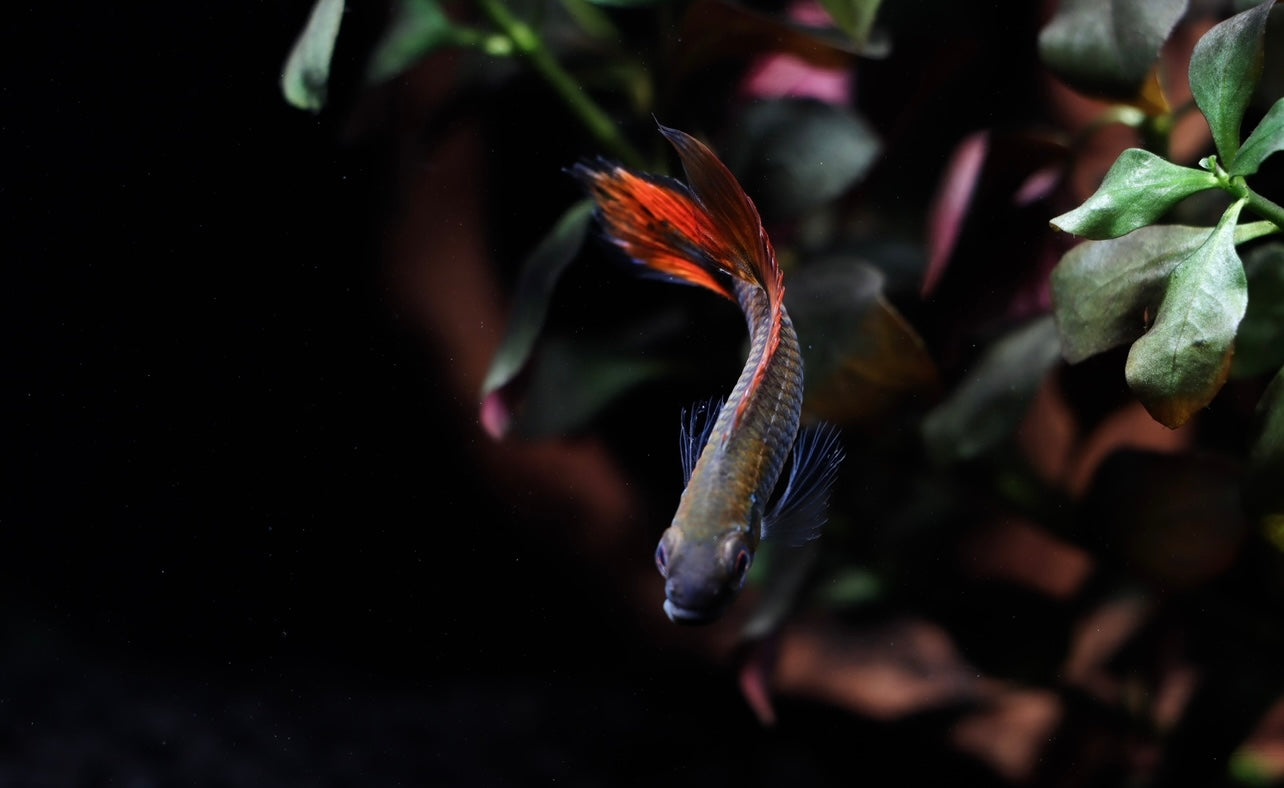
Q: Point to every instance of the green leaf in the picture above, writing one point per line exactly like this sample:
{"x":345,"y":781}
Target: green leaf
{"x":591,"y":18}
{"x":1104,"y":291}
{"x":860,"y":356}
{"x":1266,"y":139}
{"x":1269,"y":446}
{"x":1107,"y":47}
{"x":795,"y":155}
{"x":1266,"y":459}
{"x":853,"y":17}
{"x":849,"y":588}
{"x":1251,"y":767}
{"x":573,"y":380}
{"x":1270,"y":85}
{"x":627,"y":3}
{"x":1139,"y":188}
{"x":307,"y":70}
{"x":416,"y":28}
{"x":1179,"y":365}
{"x":1224,"y":69}
{"x":993,"y":397}
{"x":539,"y":274}
{"x":1259,"y":343}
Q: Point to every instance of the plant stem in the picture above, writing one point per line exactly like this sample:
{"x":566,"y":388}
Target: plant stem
{"x":1265,"y":208}
{"x":531,"y":46}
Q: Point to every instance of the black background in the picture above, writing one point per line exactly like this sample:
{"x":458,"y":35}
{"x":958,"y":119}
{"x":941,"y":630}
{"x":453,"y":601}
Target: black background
{"x":235,"y":547}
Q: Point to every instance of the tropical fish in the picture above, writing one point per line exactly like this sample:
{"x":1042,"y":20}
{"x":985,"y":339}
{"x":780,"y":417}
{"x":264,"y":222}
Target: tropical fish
{"x":707,"y":232}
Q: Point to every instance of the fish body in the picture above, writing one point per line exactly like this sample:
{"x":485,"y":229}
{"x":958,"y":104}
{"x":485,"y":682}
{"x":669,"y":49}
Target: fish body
{"x":707,"y":232}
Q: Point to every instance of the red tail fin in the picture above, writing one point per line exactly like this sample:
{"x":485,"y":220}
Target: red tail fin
{"x":695,"y":234}
{"x":731,"y":214}
{"x":656,"y":222}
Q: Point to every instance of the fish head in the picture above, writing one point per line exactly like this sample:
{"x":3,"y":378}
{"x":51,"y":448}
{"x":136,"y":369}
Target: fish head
{"x":702,"y":575}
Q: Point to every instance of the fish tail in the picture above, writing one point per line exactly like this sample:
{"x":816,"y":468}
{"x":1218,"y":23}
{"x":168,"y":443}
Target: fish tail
{"x":749,"y":254}
{"x":706,"y":232}
{"x":657,"y":222}
{"x":700,"y":234}
{"x":746,"y":252}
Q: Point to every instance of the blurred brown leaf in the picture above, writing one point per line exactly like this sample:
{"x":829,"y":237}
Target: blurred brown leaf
{"x":1260,"y":759}
{"x":1019,"y":551}
{"x":1175,"y":521}
{"x":890,"y":671}
{"x":1012,"y":731}
{"x":861,"y":355}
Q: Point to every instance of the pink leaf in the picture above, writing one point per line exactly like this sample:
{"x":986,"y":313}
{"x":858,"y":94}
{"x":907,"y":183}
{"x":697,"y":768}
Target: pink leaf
{"x":784,"y":75}
{"x":949,"y":207}
{"x":755,"y":671}
{"x":496,"y":416}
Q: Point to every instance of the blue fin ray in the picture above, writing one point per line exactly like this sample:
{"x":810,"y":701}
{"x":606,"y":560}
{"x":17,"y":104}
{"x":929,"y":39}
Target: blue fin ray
{"x":697,"y":423}
{"x":800,"y":512}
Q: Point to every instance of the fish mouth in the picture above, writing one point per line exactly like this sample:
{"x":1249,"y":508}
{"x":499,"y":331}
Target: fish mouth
{"x":685,"y":615}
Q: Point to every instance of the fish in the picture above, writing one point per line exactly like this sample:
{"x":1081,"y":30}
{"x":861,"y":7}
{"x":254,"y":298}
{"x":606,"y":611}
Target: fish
{"x":708,"y":233}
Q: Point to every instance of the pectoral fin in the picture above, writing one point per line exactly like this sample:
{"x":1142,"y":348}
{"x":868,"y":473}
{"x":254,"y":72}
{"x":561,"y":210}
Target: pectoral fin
{"x":697,"y":423}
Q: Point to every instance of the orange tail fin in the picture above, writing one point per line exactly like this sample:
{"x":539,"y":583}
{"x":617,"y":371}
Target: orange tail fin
{"x":698,"y":234}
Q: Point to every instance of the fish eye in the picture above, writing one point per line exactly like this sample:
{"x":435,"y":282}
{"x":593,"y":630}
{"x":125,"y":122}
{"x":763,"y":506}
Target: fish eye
{"x":736,"y":558}
{"x":662,"y":558}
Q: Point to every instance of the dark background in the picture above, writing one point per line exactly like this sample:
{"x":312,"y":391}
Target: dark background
{"x":237,"y":545}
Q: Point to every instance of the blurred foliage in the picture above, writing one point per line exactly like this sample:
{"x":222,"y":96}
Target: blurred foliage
{"x":1182,"y":360}
{"x":307,"y":72}
{"x":999,"y":247}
